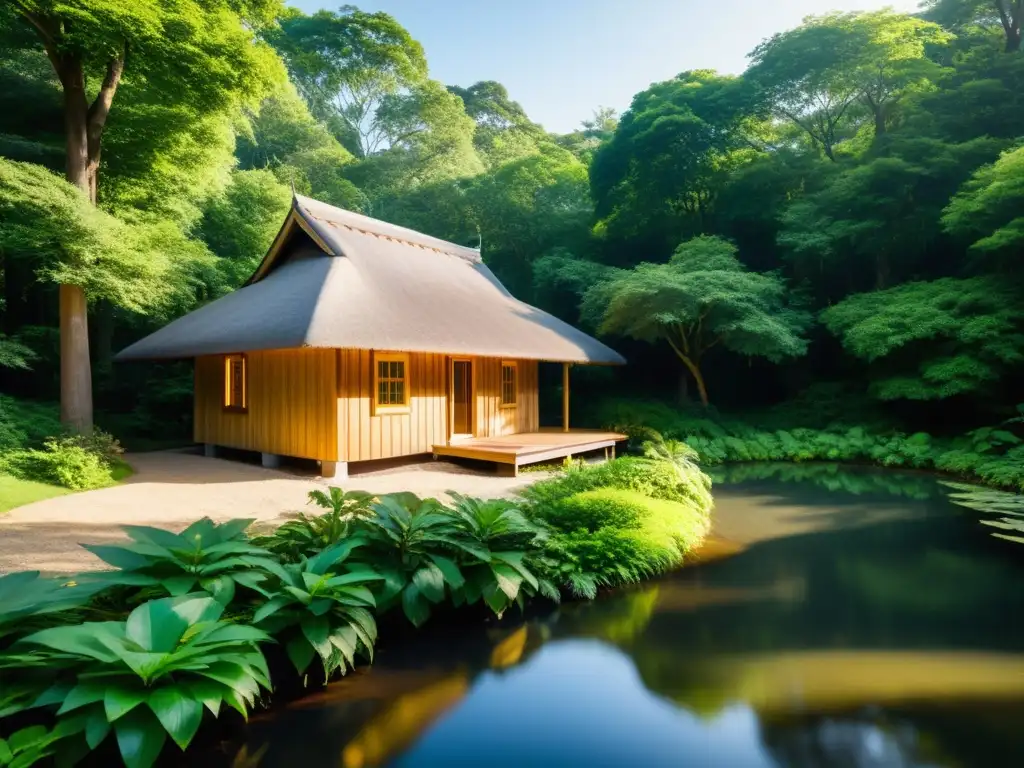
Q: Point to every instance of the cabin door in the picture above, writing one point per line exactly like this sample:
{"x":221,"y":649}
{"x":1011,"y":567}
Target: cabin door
{"x":461,"y":399}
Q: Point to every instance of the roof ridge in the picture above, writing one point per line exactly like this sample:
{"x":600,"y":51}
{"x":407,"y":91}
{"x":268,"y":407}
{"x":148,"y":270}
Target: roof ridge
{"x":393,"y":238}
{"x":367,"y":225}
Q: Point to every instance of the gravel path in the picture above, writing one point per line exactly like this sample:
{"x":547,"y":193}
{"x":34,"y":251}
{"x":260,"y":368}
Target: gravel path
{"x":171,"y":489}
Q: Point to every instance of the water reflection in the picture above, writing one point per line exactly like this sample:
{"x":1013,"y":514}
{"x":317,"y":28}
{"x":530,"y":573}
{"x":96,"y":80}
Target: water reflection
{"x":853,"y":628}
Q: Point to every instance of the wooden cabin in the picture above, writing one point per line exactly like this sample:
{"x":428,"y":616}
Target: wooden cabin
{"x":358,"y":340}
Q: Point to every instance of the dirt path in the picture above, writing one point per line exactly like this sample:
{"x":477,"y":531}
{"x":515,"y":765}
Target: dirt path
{"x":172,"y":489}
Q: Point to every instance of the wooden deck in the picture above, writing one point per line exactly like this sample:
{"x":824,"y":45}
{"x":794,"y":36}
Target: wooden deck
{"x":513,"y":451}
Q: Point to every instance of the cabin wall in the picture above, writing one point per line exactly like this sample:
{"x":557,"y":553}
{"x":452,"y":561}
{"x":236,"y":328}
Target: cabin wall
{"x":491,"y":420}
{"x":364,"y":435}
{"x":292,"y":404}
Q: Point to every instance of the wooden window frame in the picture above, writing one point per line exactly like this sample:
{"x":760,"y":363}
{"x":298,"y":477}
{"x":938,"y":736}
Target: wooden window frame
{"x":226,"y":402}
{"x":514,"y":365}
{"x":396,"y":408}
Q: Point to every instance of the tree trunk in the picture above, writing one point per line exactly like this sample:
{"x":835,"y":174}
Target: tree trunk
{"x":699,"y":378}
{"x":880,"y":126}
{"x":684,"y":388}
{"x":1013,"y":41}
{"x":75,"y":369}
{"x":75,"y":372}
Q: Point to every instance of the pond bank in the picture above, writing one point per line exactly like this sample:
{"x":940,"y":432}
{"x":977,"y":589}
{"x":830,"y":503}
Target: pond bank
{"x":850,"y":623}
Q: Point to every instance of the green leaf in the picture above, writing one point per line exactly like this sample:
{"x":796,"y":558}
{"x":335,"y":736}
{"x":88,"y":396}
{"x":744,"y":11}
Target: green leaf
{"x":346,"y":641}
{"x":96,"y":727}
{"x":95,"y":640}
{"x":353,"y":577}
{"x":159,"y":624}
{"x":451,"y":571}
{"x":6,"y":755}
{"x":178,"y":585}
{"x":209,"y":693}
{"x":119,"y":700}
{"x":508,"y":578}
{"x":140,"y":738}
{"x":55,"y":694}
{"x":415,"y":606}
{"x":515,"y":559}
{"x":429,"y":580}
{"x":252,"y":580}
{"x":82,"y":694}
{"x":222,"y":588}
{"x":300,"y":652}
{"x":119,"y":557}
{"x":317,"y":631}
{"x":156,"y":536}
{"x":179,"y":714}
{"x":272,"y":606}
{"x":496,"y":599}
{"x":361,"y":595}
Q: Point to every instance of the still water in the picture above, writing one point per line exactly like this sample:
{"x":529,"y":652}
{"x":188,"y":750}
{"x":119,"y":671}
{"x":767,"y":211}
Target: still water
{"x":859,"y":620}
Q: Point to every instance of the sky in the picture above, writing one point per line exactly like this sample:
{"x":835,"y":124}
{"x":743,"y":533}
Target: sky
{"x":561,"y":59}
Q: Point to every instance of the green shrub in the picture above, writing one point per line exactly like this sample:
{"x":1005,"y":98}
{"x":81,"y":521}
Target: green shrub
{"x":141,"y":680}
{"x":211,"y":556}
{"x":319,"y":607}
{"x":79,"y":462}
{"x":593,"y":510}
{"x":31,"y":422}
{"x":658,"y":479}
{"x":58,"y":463}
{"x":619,"y":536}
{"x":612,"y":557}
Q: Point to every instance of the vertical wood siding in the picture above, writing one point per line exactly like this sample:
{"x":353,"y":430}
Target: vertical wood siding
{"x":362,"y":435}
{"x":493,"y":420}
{"x":292,"y":404}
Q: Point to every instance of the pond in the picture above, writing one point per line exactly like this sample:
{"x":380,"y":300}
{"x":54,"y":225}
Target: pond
{"x":861,"y":620}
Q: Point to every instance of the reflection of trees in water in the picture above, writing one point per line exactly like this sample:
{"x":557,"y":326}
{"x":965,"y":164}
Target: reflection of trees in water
{"x":850,"y":741}
{"x":832,"y":477}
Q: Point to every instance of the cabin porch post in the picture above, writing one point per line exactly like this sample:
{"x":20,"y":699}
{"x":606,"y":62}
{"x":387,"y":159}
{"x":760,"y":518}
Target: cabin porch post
{"x":565,"y":397}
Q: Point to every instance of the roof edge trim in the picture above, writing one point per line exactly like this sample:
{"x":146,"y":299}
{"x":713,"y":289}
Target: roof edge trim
{"x":295,"y":218}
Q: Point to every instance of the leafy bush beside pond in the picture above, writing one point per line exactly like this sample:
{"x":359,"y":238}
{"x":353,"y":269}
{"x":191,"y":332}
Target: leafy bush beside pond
{"x":192,"y":621}
{"x":992,"y":454}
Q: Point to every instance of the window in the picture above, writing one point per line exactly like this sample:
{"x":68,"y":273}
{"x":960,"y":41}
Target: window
{"x":509,"y":384}
{"x":391,"y":383}
{"x":236,"y":385}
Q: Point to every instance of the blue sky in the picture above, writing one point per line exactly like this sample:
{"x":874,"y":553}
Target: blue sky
{"x":561,"y":59}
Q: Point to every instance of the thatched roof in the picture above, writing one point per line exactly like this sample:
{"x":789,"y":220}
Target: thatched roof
{"x":338,"y":279}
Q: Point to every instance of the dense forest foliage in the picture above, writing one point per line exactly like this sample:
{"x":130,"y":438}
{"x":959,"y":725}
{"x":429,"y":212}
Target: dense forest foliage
{"x":838,"y":227}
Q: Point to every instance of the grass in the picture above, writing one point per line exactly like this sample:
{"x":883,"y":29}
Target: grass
{"x":17,"y":493}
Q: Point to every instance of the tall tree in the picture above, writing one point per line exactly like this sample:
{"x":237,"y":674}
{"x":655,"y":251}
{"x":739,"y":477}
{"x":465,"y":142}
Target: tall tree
{"x":656,"y":179}
{"x":1004,"y":14}
{"x":504,"y":132}
{"x":346,"y":64}
{"x":987,"y":211}
{"x":827,"y":72}
{"x":933,"y":340}
{"x":190,"y":51}
{"x":701,"y":299}
{"x":873,"y":223}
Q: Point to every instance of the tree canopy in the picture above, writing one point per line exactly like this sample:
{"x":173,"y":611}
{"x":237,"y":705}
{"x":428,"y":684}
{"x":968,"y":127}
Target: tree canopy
{"x":700,"y":299}
{"x":843,"y":213}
